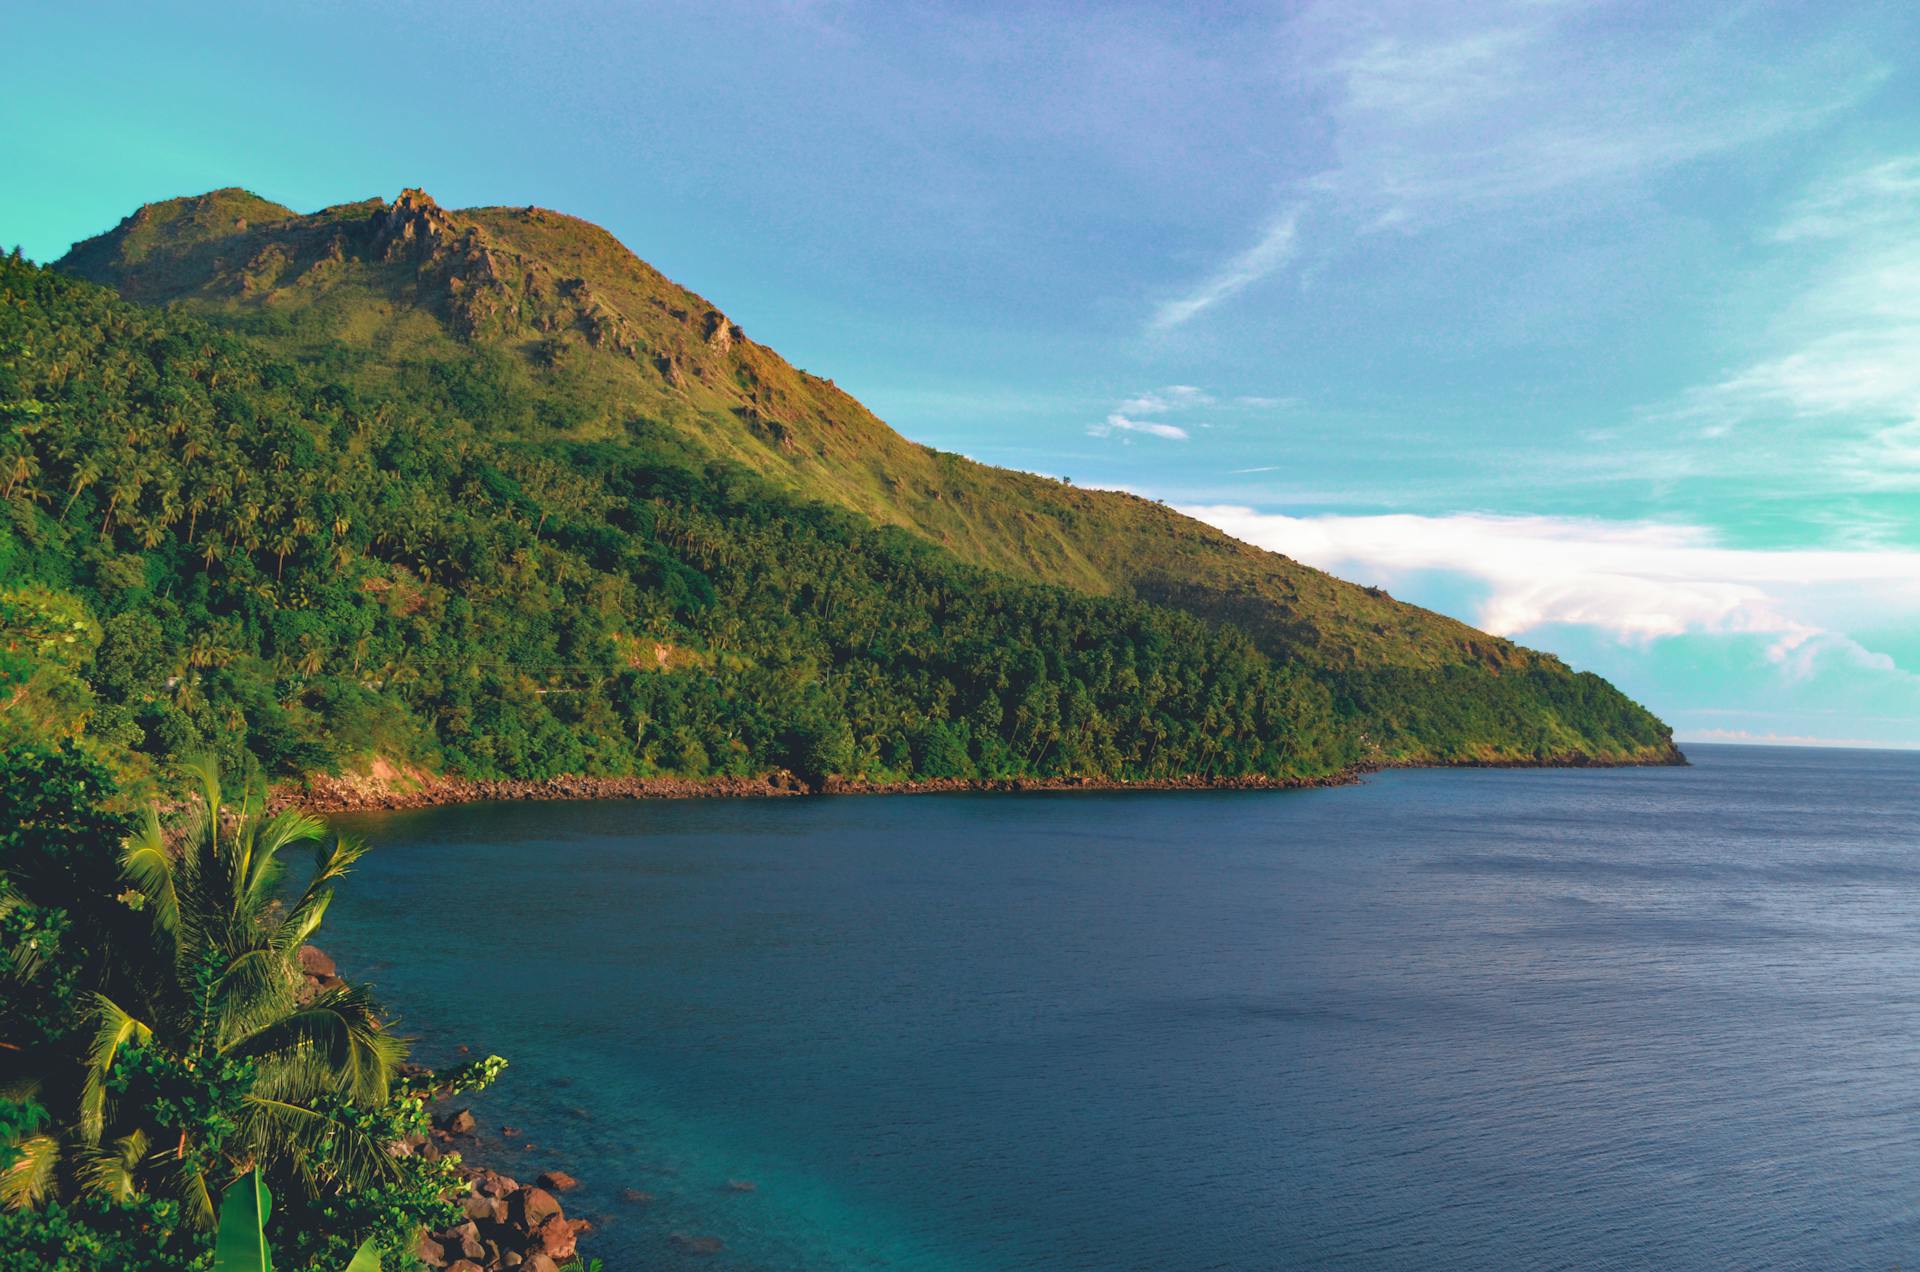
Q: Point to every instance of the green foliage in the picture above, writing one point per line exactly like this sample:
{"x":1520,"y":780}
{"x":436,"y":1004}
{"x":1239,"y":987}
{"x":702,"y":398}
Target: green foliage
{"x":160,"y":1040}
{"x":47,"y":638}
{"x":445,"y":556}
{"x":242,"y":1245}
{"x":389,"y":1212}
{"x":89,"y":1234}
{"x":201,"y":1101}
{"x":241,"y":1242}
{"x":417,"y":586}
{"x":19,"y":1120}
{"x":59,"y":860}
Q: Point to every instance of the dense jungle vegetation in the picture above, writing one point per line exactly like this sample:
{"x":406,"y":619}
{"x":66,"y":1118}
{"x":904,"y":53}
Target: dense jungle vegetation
{"x":253,"y":560}
{"x":250,"y":560}
{"x":542,"y":336}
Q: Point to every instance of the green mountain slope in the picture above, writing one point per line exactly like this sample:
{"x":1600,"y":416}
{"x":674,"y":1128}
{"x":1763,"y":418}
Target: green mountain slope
{"x":483,"y":490}
{"x":604,"y":341}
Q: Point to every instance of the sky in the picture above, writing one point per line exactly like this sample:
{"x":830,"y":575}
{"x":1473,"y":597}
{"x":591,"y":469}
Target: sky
{"x":1596,"y":325}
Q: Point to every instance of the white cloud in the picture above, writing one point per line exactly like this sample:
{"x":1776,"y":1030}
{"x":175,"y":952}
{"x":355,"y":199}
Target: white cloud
{"x":1274,"y":248}
{"x":1118,"y":423}
{"x":1165,"y":400}
{"x":1637,"y":581}
{"x":1882,"y":195}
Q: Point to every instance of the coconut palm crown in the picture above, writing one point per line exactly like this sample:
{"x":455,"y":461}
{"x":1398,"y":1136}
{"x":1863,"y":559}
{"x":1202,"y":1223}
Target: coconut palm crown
{"x":214,"y":1057}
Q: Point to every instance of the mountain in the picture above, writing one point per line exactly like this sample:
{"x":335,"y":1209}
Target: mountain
{"x":483,"y":491}
{"x":604,"y":340}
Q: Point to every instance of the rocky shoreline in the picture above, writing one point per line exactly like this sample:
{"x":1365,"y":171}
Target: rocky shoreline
{"x":504,"y":1223}
{"x":389,"y":789}
{"x":1672,"y":757}
{"x":327,"y":794}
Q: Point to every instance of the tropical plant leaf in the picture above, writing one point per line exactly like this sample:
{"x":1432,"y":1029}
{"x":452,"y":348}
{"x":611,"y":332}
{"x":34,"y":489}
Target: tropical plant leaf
{"x":241,"y":1245}
{"x":366,"y":1258}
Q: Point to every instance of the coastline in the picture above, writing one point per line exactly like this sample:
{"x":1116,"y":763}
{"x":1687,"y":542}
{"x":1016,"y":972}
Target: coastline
{"x":388,"y":789}
{"x":502,"y":1212}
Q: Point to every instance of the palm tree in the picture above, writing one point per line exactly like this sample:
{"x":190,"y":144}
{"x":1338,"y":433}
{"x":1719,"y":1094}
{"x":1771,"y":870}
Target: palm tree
{"x":284,"y":541}
{"x":222,"y":1015}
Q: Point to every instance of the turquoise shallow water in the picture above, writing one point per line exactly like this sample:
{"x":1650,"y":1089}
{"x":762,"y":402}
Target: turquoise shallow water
{"x":1586,"y":1018}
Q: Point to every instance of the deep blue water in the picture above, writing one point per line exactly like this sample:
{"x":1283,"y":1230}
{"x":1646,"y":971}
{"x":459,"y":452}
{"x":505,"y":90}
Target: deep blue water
{"x":1587,"y":1018}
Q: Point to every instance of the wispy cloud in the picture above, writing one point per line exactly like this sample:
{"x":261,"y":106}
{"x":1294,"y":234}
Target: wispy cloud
{"x":1118,"y":423}
{"x":1174,"y":397}
{"x":1168,"y":399}
{"x":1273,"y":249}
{"x":1635,"y":581}
{"x":1437,"y":112}
{"x":1441,"y":109}
{"x":1837,"y":401}
{"x":1880,"y":196}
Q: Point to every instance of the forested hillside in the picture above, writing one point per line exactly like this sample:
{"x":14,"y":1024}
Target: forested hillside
{"x":264,"y":540}
{"x":582,"y":340}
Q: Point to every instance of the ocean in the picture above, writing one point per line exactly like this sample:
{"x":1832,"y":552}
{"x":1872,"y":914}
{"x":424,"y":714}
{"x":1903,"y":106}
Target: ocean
{"x":1588,"y":1018}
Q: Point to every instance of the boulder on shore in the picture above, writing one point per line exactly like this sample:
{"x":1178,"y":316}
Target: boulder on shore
{"x":531,"y":1207}
{"x":555,"y":1239}
{"x":315,"y":963}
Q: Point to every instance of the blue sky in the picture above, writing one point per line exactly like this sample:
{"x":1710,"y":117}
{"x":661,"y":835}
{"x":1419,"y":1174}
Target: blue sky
{"x":1596,"y":324}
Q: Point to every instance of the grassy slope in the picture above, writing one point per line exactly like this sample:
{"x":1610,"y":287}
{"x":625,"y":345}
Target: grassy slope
{"x":609,"y":345}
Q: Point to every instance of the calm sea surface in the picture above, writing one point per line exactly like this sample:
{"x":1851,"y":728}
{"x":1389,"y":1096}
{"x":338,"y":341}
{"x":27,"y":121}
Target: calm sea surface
{"x":1495,"y":1019}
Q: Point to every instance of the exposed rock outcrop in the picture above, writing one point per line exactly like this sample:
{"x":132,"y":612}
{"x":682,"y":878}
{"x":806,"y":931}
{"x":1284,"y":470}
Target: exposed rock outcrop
{"x":504,"y":1223}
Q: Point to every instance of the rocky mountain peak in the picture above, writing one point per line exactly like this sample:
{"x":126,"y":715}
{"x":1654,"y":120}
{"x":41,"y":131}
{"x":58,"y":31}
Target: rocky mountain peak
{"x":412,"y":227}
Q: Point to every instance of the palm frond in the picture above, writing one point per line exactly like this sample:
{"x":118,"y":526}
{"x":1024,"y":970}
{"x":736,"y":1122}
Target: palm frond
{"x":117,"y":1029}
{"x":149,"y":867}
{"x":26,"y":956}
{"x":196,"y":1195}
{"x":336,"y":1043}
{"x":205,"y":770}
{"x":29,"y":1180}
{"x":265,"y":842}
{"x":258,"y":986}
{"x":305,"y":1138}
{"x":330,"y":862}
{"x":21,"y":1088}
{"x":112,"y":1171}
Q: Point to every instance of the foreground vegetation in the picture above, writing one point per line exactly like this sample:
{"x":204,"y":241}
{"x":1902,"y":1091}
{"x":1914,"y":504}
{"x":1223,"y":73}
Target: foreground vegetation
{"x":207,"y":548}
{"x":158,"y":1039}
